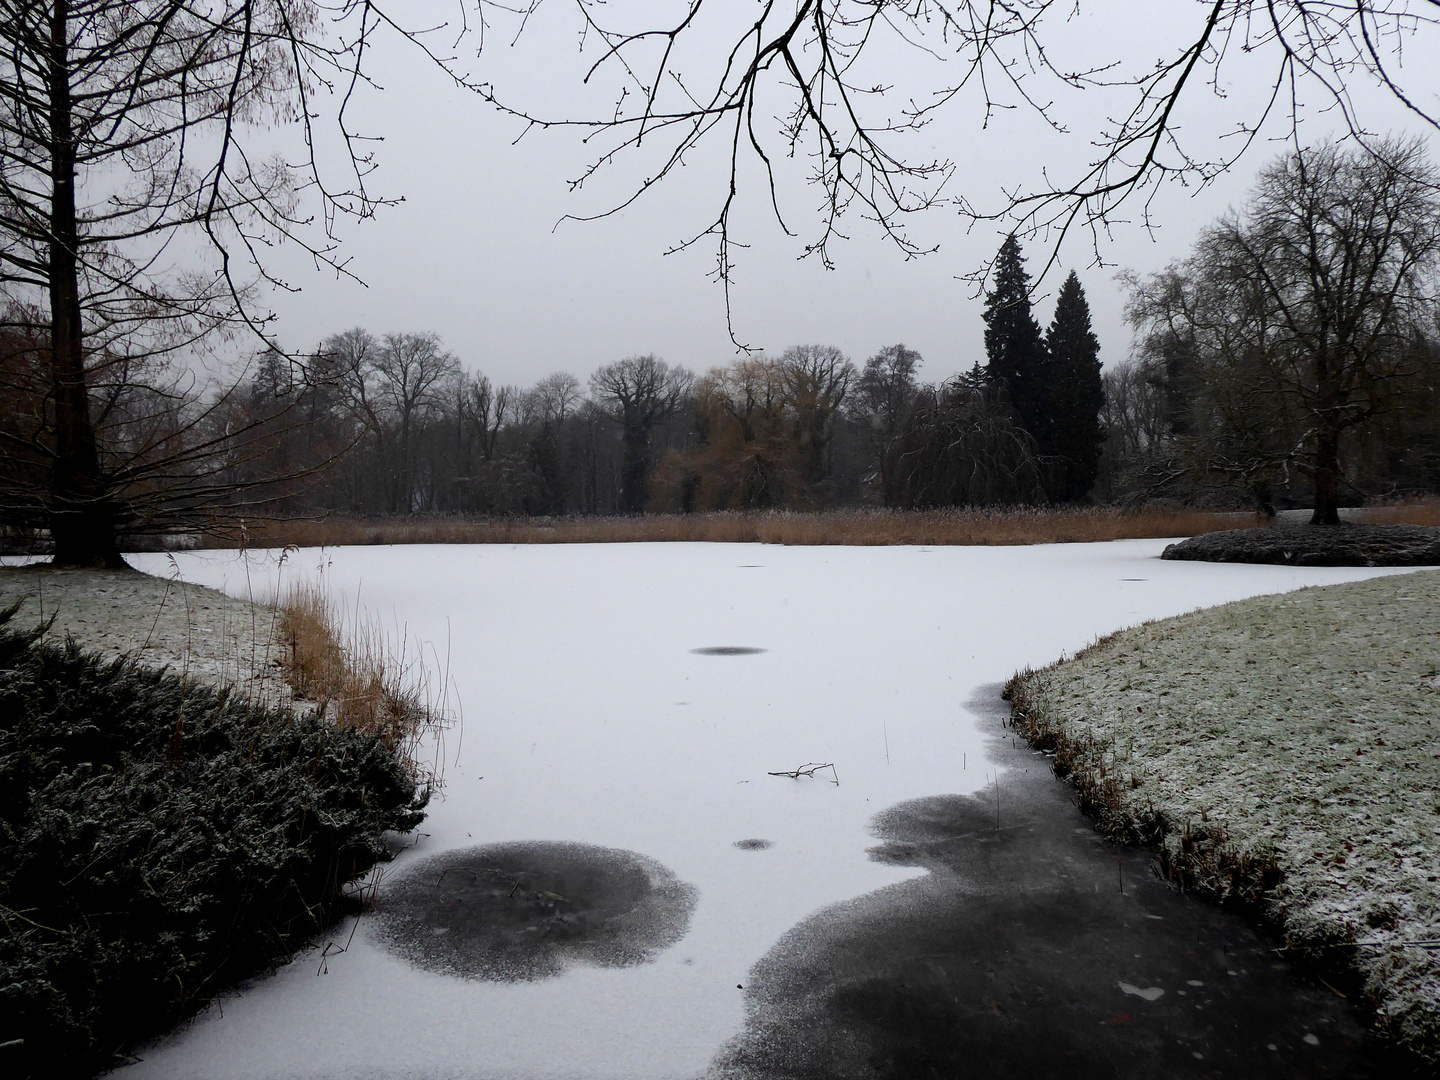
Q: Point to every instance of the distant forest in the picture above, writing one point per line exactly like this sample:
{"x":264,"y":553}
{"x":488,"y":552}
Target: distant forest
{"x":392,"y":424}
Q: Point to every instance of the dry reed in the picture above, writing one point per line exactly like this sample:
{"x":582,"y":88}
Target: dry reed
{"x":1416,"y":512}
{"x":863,"y":528}
{"x":354,"y":674}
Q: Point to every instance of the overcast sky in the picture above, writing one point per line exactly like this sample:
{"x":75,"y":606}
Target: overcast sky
{"x":478,"y":252}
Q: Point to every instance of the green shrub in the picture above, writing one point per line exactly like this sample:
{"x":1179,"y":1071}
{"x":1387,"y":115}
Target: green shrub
{"x":159,"y":840}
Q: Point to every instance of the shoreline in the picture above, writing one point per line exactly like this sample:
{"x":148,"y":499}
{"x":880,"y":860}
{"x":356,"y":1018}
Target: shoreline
{"x":1277,"y":753}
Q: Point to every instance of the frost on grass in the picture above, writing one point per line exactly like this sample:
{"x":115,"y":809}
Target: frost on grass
{"x":162,"y":839}
{"x":197,"y":632}
{"x":1283,"y":751}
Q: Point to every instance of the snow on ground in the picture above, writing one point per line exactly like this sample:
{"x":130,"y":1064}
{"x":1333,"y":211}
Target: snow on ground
{"x":587,"y":717}
{"x":1305,"y":727}
{"x":159,"y":620}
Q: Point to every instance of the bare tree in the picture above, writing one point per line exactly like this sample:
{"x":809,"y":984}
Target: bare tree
{"x":556,"y":396}
{"x":136,"y":203}
{"x":411,"y":370}
{"x":885,"y":393}
{"x":747,"y":457}
{"x":481,"y":410}
{"x":962,"y":447}
{"x":817,"y":378}
{"x":639,"y":393}
{"x":1137,"y":431}
{"x":1304,"y":312}
{"x":822,"y":68}
{"x":392,"y":386}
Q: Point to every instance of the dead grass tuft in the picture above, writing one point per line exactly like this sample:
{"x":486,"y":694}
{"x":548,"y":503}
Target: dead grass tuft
{"x":863,"y":528}
{"x":354,"y":674}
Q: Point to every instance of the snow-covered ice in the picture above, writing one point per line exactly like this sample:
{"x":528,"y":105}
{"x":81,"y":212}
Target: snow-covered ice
{"x":588,"y":717}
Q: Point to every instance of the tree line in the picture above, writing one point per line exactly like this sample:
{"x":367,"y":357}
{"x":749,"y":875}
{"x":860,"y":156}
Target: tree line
{"x":136,"y":130}
{"x":1291,"y":359}
{"x":395,"y":424}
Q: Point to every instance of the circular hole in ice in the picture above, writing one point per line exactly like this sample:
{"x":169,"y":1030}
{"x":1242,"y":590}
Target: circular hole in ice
{"x":526,"y":911}
{"x":727,"y":650}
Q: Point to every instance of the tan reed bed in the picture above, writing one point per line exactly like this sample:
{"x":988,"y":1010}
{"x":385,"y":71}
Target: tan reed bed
{"x":1011,"y":526}
{"x":357,"y":676}
{"x":1406,"y":513}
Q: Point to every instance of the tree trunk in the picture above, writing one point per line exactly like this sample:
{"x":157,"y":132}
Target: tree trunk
{"x":1327,"y":478}
{"x":634,"y":465}
{"x":404,"y":497}
{"x":82,"y":516}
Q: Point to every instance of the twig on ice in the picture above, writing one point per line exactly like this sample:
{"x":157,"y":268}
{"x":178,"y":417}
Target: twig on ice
{"x":809,"y":769}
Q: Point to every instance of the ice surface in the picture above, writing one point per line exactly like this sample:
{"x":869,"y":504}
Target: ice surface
{"x":589,"y":717}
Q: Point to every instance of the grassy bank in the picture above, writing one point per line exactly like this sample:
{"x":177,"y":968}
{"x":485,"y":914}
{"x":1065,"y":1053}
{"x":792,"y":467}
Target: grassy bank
{"x":163,"y":839}
{"x":1280,"y":753}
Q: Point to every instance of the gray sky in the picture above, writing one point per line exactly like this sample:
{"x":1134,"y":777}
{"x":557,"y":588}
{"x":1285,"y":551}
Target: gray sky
{"x":478,"y":252}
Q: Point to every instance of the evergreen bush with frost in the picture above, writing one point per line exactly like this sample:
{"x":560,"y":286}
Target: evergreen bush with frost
{"x":162,"y":839}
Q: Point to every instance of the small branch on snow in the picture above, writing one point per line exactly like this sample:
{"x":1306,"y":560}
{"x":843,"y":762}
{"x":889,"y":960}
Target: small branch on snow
{"x":809,"y":769}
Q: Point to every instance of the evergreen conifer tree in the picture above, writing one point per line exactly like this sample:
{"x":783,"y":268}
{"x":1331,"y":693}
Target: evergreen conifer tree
{"x":1014,"y":346}
{"x":976,"y":378}
{"x":1076,"y":395}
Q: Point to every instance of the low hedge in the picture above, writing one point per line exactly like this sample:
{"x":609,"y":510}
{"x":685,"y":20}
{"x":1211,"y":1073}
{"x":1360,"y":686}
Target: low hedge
{"x":160,"y":839}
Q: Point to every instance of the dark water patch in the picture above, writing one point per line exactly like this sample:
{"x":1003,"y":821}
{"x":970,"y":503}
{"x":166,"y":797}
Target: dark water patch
{"x":727,"y":650}
{"x":753,"y":844}
{"x":1033,"y":949}
{"x":525,"y":911}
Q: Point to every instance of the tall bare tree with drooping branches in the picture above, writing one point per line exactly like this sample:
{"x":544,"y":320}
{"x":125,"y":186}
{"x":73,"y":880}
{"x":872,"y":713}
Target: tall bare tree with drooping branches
{"x":1296,"y":321}
{"x":142,"y":183}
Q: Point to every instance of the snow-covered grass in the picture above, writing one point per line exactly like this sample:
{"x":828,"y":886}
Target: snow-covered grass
{"x":162,"y":839}
{"x":156,"y":618}
{"x":1283,"y":750}
{"x":588,"y":718}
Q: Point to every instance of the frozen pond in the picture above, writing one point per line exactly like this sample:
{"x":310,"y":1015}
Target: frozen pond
{"x":637,"y":697}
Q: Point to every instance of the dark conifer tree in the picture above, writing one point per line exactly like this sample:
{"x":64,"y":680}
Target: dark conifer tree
{"x":975,"y":378}
{"x":1015,"y":349}
{"x":1076,"y":395}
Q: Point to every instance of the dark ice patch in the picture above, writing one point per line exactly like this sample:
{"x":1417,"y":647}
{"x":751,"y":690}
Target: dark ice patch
{"x":1032,"y":948}
{"x":525,"y":911}
{"x":727,"y":650}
